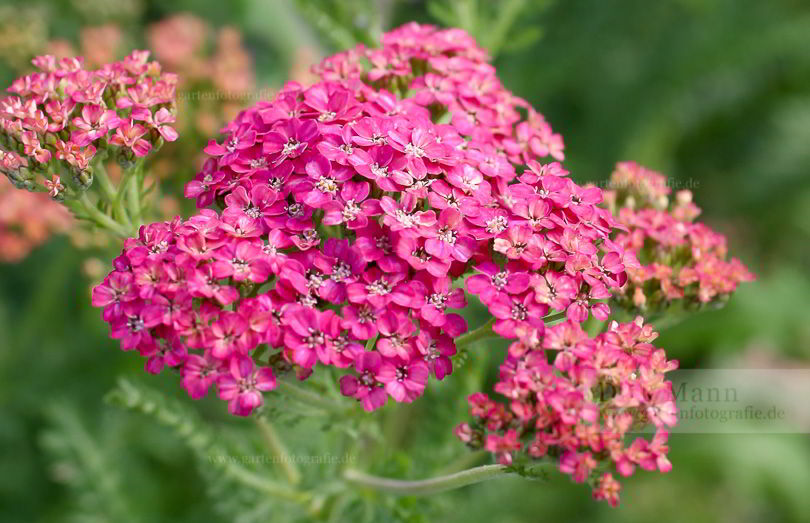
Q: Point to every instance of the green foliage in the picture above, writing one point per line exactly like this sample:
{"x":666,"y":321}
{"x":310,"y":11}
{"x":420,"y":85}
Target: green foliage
{"x":344,"y":24}
{"x":495,"y":25}
{"x":86,"y":466}
{"x":233,"y":486}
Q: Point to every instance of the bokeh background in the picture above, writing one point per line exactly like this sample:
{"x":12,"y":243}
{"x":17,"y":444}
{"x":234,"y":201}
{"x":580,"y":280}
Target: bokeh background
{"x":714,"y":93}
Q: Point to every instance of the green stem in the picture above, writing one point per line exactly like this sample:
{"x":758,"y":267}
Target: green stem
{"x":92,"y":214}
{"x":485,"y":331}
{"x":248,"y":478}
{"x":425,"y":486}
{"x":553,"y":319}
{"x":108,"y":190}
{"x":482,"y":332}
{"x":278,"y":449}
{"x":134,"y":193}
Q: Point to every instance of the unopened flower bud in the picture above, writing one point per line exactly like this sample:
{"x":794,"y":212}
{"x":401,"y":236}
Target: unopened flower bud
{"x":83,"y":178}
{"x":639,"y":299}
{"x":683,"y":197}
{"x":630,"y":202}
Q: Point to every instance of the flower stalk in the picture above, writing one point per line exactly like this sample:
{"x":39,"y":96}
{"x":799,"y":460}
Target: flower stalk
{"x":134,"y":183}
{"x":428,"y":486}
{"x":248,"y":478}
{"x":87,"y":210}
{"x":277,"y":448}
{"x":485,"y":331}
{"x":481,"y":333}
{"x":553,"y":319}
{"x":108,"y":189}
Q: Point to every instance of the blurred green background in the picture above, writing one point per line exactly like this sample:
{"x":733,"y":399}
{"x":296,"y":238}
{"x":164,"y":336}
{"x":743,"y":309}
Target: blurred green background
{"x":714,"y":93}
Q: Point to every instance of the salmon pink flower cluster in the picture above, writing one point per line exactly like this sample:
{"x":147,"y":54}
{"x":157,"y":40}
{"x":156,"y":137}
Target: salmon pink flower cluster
{"x":61,"y":118}
{"x":574,"y":399}
{"x":683,"y":260}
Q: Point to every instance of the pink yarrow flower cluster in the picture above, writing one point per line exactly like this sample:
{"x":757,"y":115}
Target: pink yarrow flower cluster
{"x":61,"y":118}
{"x":348,"y":208}
{"x":684,"y":261}
{"x":573,"y":399}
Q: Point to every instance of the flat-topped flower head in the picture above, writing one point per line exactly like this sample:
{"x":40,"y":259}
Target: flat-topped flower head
{"x":352,"y":206}
{"x":684,"y":261}
{"x":573,"y":396}
{"x":66,"y":116}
